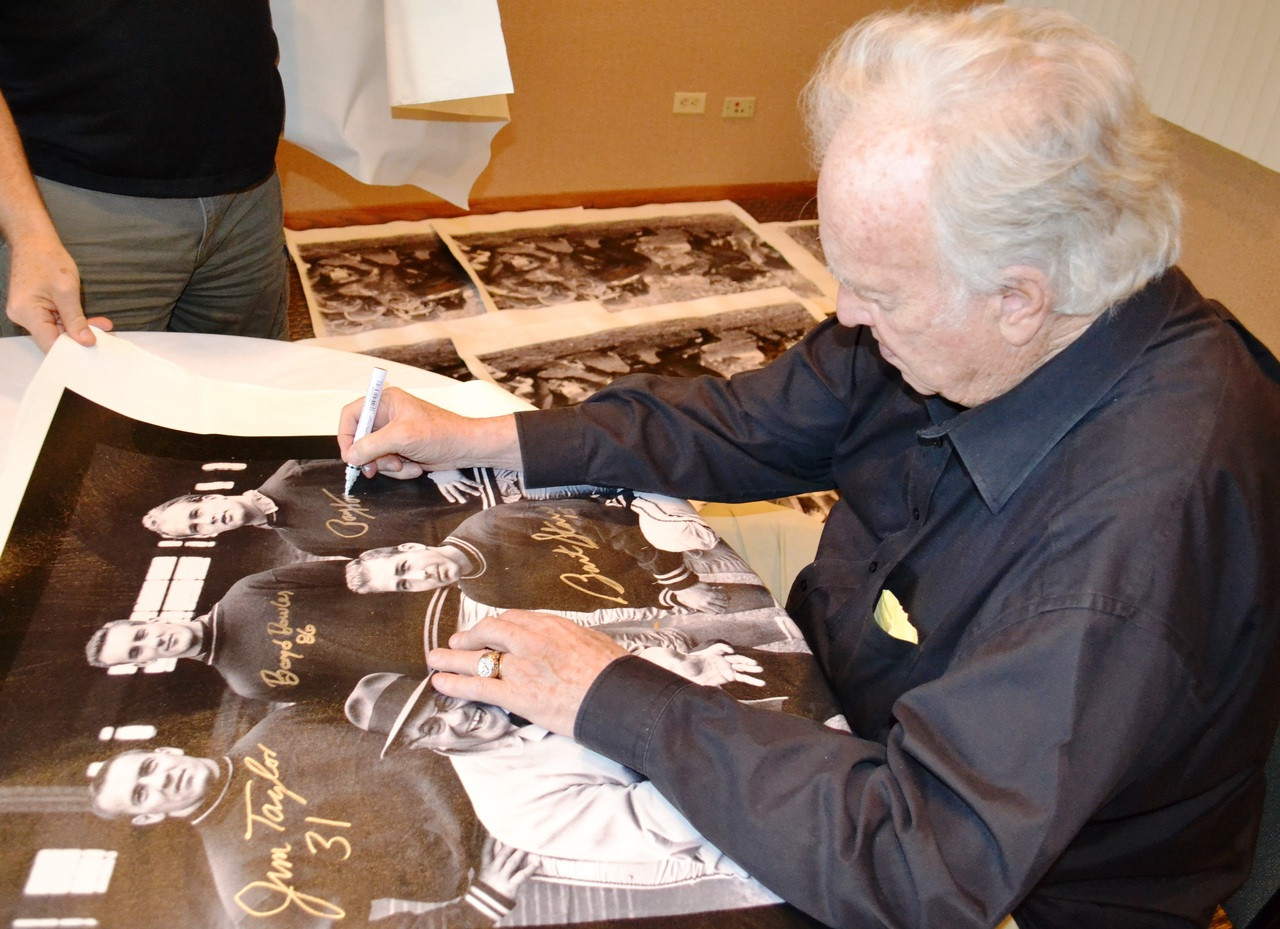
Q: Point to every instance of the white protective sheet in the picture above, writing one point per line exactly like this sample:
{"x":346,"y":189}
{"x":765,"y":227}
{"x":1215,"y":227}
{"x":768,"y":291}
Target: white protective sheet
{"x":441,"y":67}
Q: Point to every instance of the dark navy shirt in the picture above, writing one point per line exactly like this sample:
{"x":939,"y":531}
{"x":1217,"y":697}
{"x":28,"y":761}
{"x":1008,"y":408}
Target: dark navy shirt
{"x":1092,"y":563}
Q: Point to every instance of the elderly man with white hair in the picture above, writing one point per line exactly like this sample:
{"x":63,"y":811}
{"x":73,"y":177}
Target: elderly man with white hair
{"x":1055,"y":455}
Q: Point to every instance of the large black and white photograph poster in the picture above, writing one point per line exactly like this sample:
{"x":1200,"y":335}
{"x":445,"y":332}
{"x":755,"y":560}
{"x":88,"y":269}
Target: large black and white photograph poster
{"x":214,"y":704}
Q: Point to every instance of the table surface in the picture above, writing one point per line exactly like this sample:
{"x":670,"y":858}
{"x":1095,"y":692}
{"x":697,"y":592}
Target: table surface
{"x":262,"y":362}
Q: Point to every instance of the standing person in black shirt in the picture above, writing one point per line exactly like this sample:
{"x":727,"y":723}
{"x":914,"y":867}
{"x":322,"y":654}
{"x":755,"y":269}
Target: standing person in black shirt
{"x":151,"y":129}
{"x":1057,"y":457}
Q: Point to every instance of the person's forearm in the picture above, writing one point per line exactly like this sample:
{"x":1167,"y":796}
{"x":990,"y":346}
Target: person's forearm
{"x":762,"y":434}
{"x":44,"y":282}
{"x":413,"y":436}
{"x":497,"y":444}
{"x":22,"y":212}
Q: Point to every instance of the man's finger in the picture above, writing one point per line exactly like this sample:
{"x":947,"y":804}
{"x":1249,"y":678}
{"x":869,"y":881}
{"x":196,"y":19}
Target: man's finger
{"x":467,"y":687}
{"x":80,"y":329}
{"x":393,"y":465}
{"x":455,"y":661}
{"x":490,"y":632}
{"x":44,"y":336}
{"x":382,"y":444}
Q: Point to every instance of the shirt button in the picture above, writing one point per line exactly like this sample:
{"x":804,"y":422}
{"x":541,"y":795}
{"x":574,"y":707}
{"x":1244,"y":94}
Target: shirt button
{"x":875,"y":565}
{"x":915,"y":513}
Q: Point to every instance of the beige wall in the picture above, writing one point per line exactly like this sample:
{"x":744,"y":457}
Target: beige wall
{"x":594,"y":81}
{"x":1209,"y":66}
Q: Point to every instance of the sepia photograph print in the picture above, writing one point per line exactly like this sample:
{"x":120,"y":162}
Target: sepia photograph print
{"x":430,"y":346}
{"x":215,"y":709}
{"x":361,"y":278}
{"x":566,"y":371}
{"x":805,"y":233}
{"x":644,"y":256}
{"x":438,"y":355}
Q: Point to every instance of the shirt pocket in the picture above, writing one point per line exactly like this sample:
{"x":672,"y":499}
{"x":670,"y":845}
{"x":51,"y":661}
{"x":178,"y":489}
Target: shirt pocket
{"x":868,"y":666}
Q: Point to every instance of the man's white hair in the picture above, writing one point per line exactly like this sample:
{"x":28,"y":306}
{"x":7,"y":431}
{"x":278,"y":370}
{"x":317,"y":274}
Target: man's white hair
{"x":1045,"y":153}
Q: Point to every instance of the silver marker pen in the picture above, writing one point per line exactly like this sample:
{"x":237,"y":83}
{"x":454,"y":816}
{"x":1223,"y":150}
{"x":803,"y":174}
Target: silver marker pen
{"x":365,"y":424}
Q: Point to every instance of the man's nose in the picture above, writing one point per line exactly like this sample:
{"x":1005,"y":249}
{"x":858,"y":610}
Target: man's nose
{"x":852,"y":310}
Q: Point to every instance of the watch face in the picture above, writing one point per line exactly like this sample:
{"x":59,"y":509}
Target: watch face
{"x":487,"y":665}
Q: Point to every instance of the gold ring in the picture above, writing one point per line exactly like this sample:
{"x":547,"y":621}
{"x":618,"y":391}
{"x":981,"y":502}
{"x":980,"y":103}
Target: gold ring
{"x":489,"y":664}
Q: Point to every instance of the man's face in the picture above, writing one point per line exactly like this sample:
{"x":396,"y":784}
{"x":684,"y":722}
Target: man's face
{"x":149,"y":786}
{"x":449,"y":724}
{"x":138,"y":643}
{"x":877,"y":233}
{"x":411,"y":567}
{"x":210,"y":515}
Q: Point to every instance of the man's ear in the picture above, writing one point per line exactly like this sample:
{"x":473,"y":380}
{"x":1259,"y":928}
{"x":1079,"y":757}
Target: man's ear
{"x":1024,"y":303}
{"x":148,"y":819}
{"x":411,"y":546}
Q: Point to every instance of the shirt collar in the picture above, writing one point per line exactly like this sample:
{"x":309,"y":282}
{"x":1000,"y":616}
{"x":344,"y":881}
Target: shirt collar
{"x":263,"y":504}
{"x":209,"y":649}
{"x":1003,"y":440}
{"x":224,"y":784}
{"x":478,"y":562}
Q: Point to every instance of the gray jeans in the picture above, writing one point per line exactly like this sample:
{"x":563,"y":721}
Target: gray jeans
{"x":205,"y":264}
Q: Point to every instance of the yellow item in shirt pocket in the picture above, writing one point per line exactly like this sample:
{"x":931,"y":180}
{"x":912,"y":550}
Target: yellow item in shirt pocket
{"x":893,"y":619}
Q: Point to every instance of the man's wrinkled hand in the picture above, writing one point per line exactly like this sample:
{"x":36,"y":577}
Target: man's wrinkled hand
{"x":548,"y":665}
{"x":411,"y":437}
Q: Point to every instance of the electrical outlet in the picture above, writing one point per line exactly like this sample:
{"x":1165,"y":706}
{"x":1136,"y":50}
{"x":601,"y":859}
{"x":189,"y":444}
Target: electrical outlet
{"x":739,"y":107}
{"x":689,"y":103}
